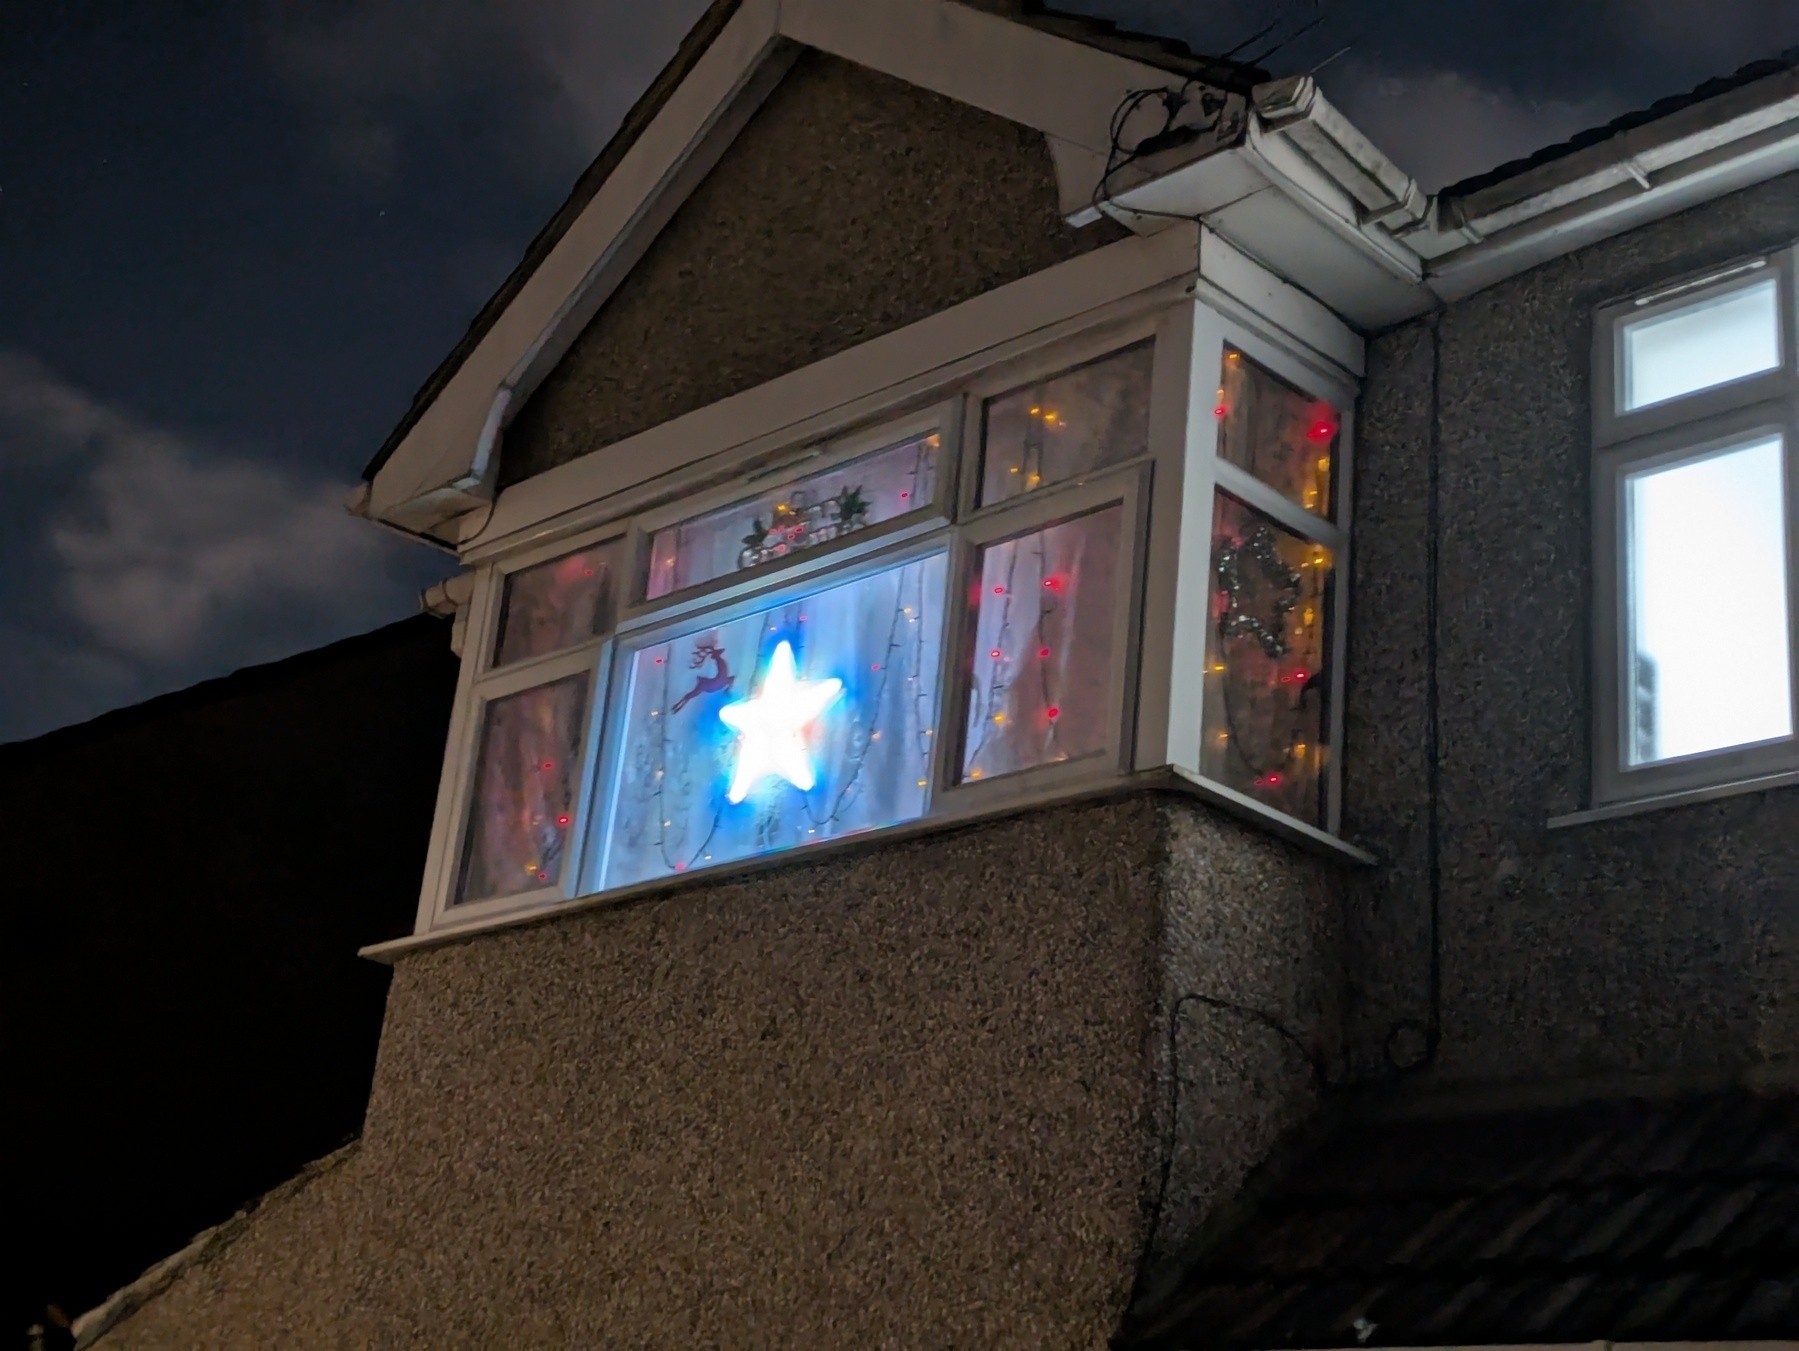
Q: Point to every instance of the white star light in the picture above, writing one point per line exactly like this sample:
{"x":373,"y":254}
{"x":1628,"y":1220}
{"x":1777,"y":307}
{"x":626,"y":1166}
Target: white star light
{"x":770,"y":726}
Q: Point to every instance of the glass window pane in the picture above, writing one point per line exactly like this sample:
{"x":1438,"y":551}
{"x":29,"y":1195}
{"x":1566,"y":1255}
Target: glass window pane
{"x":1042,"y":669}
{"x":795,"y":517}
{"x":1706,"y":558}
{"x":1266,"y":720}
{"x":554,"y":605}
{"x":1068,"y":424}
{"x":1712,"y":341}
{"x":524,"y":790}
{"x":803,"y":722}
{"x":1275,"y":431}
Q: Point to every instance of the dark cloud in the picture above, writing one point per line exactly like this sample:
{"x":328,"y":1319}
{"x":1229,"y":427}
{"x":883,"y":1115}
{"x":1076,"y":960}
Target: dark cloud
{"x":1451,"y":88}
{"x":137,"y":561}
{"x":383,"y":75}
{"x":236,"y":242}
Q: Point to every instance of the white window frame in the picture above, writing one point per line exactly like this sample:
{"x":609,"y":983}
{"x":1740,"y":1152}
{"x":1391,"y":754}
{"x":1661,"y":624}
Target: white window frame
{"x":1158,"y":646}
{"x":481,"y":683}
{"x":1690,"y":427}
{"x":1178,"y":728}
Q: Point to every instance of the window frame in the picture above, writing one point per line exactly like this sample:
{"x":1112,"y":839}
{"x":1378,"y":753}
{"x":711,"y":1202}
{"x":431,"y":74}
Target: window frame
{"x":778,"y":590}
{"x":1209,"y":473}
{"x":1126,"y":485}
{"x":479,"y":684}
{"x":1613,"y":781}
{"x":1611,"y":424}
{"x":1676,"y":431}
{"x":1181,"y":456}
{"x":942,"y":417}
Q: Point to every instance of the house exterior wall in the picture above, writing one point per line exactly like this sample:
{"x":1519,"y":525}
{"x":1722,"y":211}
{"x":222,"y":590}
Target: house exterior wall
{"x":910,"y":1096}
{"x":852,"y":204}
{"x":1660,"y":944}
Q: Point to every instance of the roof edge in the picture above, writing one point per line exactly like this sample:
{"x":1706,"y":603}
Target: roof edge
{"x":91,"y":1326}
{"x":687,"y":55}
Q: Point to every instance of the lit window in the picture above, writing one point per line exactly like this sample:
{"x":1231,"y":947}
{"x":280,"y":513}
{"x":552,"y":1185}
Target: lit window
{"x":524,"y":791}
{"x":1266,"y":707}
{"x":1046,"y":609}
{"x":796,"y":518}
{"x":1066,"y":425}
{"x":850,"y":646}
{"x":793,"y":724}
{"x":1270,"y":684}
{"x":1709,"y":624}
{"x":1694,"y":470}
{"x":1284,"y":437}
{"x":553,"y":606}
{"x":1702,"y":343}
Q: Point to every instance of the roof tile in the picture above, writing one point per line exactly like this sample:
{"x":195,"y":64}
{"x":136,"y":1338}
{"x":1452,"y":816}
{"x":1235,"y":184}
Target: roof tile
{"x":1616,"y":1220}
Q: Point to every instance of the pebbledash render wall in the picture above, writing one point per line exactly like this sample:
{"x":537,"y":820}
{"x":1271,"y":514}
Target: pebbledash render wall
{"x":851,"y":205}
{"x":1664,"y":944}
{"x":912,"y":1096}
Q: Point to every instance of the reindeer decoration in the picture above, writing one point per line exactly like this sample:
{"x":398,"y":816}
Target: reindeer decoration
{"x":705,"y":651}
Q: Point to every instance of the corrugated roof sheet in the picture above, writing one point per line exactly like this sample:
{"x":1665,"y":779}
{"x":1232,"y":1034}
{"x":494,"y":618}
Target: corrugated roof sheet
{"x":1630,"y":1220}
{"x":1723,"y":84}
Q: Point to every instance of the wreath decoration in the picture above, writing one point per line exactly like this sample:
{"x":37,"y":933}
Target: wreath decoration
{"x":1257,"y":549}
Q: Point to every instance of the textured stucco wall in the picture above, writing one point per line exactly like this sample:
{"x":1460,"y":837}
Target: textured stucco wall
{"x":1663,"y":944}
{"x":910,"y":1097}
{"x":852,"y":204}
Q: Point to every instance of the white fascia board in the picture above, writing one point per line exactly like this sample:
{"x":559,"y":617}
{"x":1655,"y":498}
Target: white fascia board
{"x":1613,"y":211}
{"x":1061,"y":88}
{"x":853,"y":385}
{"x":1266,"y":299}
{"x":1697,"y":155}
{"x":1279,"y":209}
{"x":440,"y":451}
{"x":1736,"y":118}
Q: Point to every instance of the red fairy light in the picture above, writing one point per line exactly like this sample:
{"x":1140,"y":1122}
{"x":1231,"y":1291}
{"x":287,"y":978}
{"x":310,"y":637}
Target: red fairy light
{"x":999,"y":590}
{"x":658,"y":661}
{"x":1299,"y":675}
{"x":562,"y":820}
{"x":1043,"y":652}
{"x":680,"y":867}
{"x":588,"y":573}
{"x":904,"y":496}
{"x":994,"y":654}
{"x":549,"y":764}
{"x":1324,"y":425}
{"x":1274,"y":780}
{"x":1053,"y":583}
{"x":543,"y":877}
{"x":1054,"y":713}
{"x":1221,"y":411}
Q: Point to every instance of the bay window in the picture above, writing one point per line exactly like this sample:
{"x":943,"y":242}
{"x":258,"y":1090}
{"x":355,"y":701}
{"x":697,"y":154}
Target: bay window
{"x":1694,"y":482}
{"x":934,"y":617}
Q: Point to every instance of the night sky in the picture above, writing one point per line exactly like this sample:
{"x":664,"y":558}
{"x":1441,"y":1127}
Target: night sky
{"x":235,"y":238}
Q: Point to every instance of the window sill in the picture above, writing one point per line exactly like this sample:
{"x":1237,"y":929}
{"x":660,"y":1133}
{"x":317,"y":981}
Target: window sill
{"x":1638,"y":806}
{"x":1297,"y":833}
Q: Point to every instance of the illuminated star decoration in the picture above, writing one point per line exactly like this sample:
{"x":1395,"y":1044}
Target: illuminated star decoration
{"x":770,"y":726}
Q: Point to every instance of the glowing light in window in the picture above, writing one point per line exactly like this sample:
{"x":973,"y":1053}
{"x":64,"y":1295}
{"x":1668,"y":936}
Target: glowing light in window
{"x":771,"y":726}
